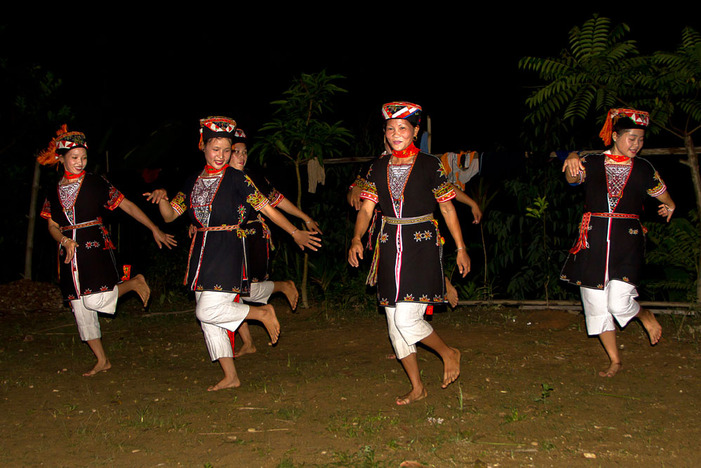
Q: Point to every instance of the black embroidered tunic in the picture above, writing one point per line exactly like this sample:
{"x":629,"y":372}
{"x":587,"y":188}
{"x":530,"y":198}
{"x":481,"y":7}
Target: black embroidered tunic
{"x":77,"y":208}
{"x":612,"y":239}
{"x":218,"y":205}
{"x":407,"y":261}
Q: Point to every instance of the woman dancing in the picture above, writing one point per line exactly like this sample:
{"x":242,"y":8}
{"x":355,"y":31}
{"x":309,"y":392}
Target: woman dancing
{"x":88,"y":275}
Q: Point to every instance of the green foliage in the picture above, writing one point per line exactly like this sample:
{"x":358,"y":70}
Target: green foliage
{"x":672,"y":250}
{"x":588,"y":75}
{"x":298,"y":130}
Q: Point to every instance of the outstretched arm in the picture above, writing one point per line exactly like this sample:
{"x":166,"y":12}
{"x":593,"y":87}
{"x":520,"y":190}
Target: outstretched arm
{"x":453,"y":223}
{"x":290,"y":208}
{"x":160,"y":198}
{"x":159,"y":236}
{"x":302,"y":238}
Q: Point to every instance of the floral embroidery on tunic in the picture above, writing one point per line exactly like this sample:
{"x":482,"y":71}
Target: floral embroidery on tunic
{"x":659,"y":188}
{"x":420,"y":236}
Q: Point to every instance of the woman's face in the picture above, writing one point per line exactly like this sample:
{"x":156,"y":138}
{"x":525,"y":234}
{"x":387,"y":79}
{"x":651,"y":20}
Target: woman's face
{"x":75,"y":160}
{"x":629,"y":142}
{"x":217,"y":152}
{"x":239,"y":156}
{"x":400,"y":134}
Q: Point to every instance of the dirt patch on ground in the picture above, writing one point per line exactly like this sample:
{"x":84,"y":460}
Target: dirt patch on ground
{"x":529,"y":394}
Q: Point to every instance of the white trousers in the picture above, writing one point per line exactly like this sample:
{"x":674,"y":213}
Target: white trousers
{"x":407,"y":327}
{"x":217,"y":313}
{"x":601,"y":306}
{"x":85,"y":310}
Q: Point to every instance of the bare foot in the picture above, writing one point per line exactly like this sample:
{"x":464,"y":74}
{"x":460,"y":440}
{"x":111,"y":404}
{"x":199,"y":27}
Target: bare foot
{"x":412,"y":396}
{"x":451,"y":368}
{"x":612,"y":370}
{"x":99,"y":367}
{"x":269,"y":320}
{"x":451,"y":294}
{"x":652,"y":326}
{"x":232,"y":382}
{"x":289,"y":289}
{"x":247,"y":348}
{"x":141,"y":288}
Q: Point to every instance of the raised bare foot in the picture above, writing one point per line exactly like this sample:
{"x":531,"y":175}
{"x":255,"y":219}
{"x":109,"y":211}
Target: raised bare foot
{"x":652,"y":326}
{"x":142,"y":288}
{"x":451,"y":294}
{"x":247,"y":348}
{"x":99,"y":367}
{"x":289,"y":289}
{"x":451,"y":368}
{"x":612,"y":370}
{"x":232,"y":382}
{"x":412,"y":396}
{"x":269,"y":320}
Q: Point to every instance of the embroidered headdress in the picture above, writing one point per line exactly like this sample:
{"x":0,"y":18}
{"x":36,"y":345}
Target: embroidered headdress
{"x":63,"y":142}
{"x":402,"y":110}
{"x":239,"y":137}
{"x":216,"y":127}
{"x":634,"y":119}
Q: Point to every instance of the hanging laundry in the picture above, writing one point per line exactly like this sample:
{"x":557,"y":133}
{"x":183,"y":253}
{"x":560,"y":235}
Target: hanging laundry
{"x":316,"y":174}
{"x":461,"y":167}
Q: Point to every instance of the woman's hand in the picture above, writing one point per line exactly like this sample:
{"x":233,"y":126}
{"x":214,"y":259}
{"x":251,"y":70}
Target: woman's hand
{"x":191,"y":231}
{"x":476,"y":213}
{"x":464,"y":262}
{"x":162,"y":239}
{"x":310,"y":225}
{"x":666,"y":210}
{"x":156,"y":196}
{"x":355,"y":253}
{"x":354,"y":197}
{"x":69,"y":245}
{"x":572,"y":166}
{"x":306,"y":239}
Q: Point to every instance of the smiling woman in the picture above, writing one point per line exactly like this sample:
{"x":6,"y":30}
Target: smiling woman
{"x":606,"y":260}
{"x":219,"y":200}
{"x":407,"y":265}
{"x":89,"y":278}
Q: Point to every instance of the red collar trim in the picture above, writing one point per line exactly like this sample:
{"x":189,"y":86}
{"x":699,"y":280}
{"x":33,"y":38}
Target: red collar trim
{"x":408,"y":152}
{"x":70,"y":175}
{"x":211,"y":171}
{"x":618,"y":157}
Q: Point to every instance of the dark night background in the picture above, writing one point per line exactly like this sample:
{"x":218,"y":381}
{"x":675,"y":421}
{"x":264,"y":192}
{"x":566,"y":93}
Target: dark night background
{"x":127,"y":73}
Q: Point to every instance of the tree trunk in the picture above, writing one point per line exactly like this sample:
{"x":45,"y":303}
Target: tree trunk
{"x":693,"y":162}
{"x":31,"y":222}
{"x":305,"y":264}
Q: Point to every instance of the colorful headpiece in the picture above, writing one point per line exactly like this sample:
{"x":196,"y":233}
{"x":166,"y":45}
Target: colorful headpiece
{"x":239,"y":137}
{"x":402,"y":110}
{"x":638,"y":119}
{"x":216,"y":127}
{"x":63,"y":142}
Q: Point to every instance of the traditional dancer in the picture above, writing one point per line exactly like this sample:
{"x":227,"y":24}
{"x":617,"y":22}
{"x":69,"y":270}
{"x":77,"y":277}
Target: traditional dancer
{"x":407,"y":262}
{"x":88,"y":275}
{"x":258,"y":242}
{"x":354,"y":200}
{"x":219,"y":199}
{"x":607,"y":258}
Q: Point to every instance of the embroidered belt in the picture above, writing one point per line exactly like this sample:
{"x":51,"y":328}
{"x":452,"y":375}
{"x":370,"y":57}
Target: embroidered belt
{"x":372,"y":274}
{"x":94,"y":222}
{"x":414,"y":220}
{"x":582,"y":242}
{"x":223,"y":227}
